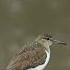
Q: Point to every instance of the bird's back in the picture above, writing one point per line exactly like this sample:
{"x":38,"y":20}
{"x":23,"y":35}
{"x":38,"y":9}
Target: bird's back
{"x":28,"y":57}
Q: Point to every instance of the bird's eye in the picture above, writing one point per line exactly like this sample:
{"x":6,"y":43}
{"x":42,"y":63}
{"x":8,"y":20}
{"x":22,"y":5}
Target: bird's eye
{"x":47,"y":38}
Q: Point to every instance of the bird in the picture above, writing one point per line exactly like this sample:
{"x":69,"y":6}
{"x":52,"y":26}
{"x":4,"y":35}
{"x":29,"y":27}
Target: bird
{"x":34,"y":56}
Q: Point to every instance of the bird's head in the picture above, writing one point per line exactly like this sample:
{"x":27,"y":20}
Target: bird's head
{"x":48,"y":40}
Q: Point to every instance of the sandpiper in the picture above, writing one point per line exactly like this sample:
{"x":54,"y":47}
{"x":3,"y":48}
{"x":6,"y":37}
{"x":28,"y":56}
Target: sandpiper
{"x":34,"y":56}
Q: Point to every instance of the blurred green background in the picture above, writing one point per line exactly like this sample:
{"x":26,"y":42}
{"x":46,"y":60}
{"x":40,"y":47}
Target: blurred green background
{"x":22,"y":20}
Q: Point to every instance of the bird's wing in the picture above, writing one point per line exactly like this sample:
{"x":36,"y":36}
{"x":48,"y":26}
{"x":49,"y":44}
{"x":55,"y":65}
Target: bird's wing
{"x":28,"y":57}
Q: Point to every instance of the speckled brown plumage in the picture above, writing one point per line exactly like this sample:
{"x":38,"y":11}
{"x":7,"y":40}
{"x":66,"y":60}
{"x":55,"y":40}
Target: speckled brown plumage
{"x":28,"y":57}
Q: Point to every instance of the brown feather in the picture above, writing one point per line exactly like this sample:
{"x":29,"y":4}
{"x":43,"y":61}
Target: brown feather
{"x":28,"y":57}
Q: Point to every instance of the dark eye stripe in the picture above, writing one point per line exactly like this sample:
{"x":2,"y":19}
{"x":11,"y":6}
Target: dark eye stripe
{"x":46,"y":38}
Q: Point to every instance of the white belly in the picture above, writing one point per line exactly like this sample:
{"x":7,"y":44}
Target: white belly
{"x":41,"y":67}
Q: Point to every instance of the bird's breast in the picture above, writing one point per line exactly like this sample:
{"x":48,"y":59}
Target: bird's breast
{"x":41,"y":67}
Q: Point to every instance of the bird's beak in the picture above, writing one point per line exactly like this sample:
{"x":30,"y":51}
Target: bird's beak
{"x":58,"y":42}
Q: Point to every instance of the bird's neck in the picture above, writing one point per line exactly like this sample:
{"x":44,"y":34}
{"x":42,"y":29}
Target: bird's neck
{"x":45,"y":45}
